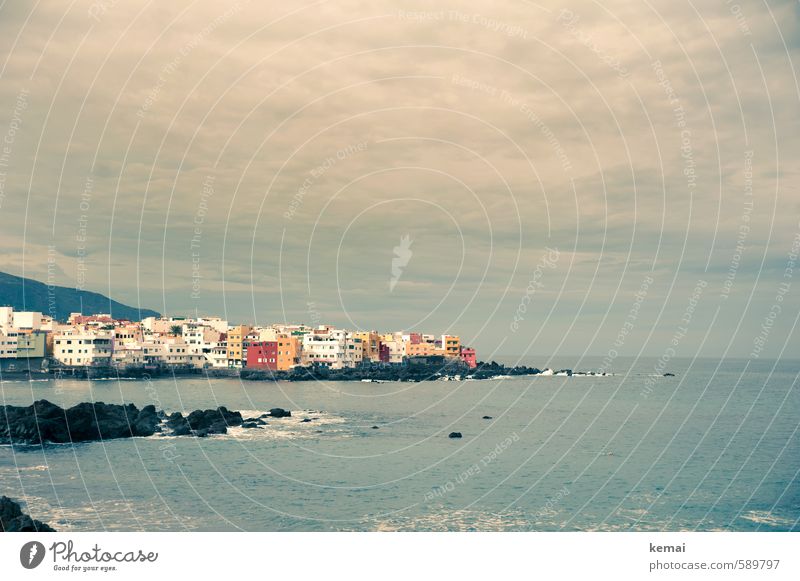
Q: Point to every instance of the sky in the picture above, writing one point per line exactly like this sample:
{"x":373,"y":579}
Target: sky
{"x":606,"y":179}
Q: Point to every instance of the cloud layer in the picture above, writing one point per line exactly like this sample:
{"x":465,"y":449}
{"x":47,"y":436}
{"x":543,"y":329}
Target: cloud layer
{"x":264,"y":162}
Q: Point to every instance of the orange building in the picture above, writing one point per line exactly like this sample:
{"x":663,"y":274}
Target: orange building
{"x":288,"y":352}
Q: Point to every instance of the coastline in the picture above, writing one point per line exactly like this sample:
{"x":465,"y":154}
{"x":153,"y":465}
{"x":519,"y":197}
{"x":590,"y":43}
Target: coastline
{"x":377,"y":374}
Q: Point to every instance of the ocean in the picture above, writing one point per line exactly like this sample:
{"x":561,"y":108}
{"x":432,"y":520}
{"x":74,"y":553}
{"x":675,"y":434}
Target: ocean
{"x":714,"y":448}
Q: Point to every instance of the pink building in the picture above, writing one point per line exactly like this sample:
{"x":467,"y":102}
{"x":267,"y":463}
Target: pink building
{"x":469,"y":356}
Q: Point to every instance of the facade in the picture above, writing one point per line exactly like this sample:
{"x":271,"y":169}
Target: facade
{"x":451,"y":345}
{"x":32,"y":345}
{"x":288,"y":352}
{"x":469,"y":356}
{"x":262,"y":355}
{"x":8,"y":345}
{"x":325,"y":350}
{"x":370,"y":345}
{"x":236,"y":345}
{"x":78,"y":347}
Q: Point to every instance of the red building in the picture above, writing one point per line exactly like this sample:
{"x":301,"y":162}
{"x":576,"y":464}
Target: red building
{"x":263,"y":355}
{"x":384,"y":355}
{"x":469,"y":356}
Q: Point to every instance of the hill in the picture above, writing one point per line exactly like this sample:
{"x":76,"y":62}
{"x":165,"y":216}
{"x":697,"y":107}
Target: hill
{"x":25,"y":294}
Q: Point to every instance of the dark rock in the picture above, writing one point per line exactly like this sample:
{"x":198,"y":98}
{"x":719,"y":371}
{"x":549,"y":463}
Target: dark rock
{"x":454,"y":435}
{"x":13,"y":520}
{"x":305,"y":421}
{"x":279,"y":413}
{"x":178,"y":425}
{"x":147,"y":420}
{"x":207,"y":419}
{"x":45,"y":422}
{"x":375,"y":428}
{"x":487,"y":417}
{"x":669,"y":375}
{"x":250,"y":425}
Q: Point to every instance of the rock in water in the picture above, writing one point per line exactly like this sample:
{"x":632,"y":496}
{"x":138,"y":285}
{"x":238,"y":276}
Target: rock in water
{"x":46,"y":422}
{"x":279,"y":413}
{"x":13,"y":520}
{"x":178,"y":425}
{"x":487,"y":417}
{"x":454,"y":435}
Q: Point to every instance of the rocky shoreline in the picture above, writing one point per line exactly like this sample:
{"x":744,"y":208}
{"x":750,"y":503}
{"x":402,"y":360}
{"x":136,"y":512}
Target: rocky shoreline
{"x":46,"y":423}
{"x":13,"y":520}
{"x":369,"y":373}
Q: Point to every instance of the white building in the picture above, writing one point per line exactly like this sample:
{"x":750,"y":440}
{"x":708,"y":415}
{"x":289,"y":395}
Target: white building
{"x":80,"y":347}
{"x":323,"y":350}
{"x":8,"y":345}
{"x":217,"y":357}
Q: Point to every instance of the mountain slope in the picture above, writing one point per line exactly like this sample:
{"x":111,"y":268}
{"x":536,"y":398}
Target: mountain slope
{"x":25,"y":294}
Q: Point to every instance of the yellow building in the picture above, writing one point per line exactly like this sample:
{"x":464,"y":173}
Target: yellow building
{"x":236,"y":340}
{"x":370,"y":344}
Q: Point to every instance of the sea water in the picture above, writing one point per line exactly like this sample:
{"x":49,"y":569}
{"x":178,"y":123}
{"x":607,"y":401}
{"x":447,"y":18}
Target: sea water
{"x":714,"y":448}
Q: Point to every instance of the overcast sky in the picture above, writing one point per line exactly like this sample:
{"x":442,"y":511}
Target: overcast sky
{"x":571,"y":177}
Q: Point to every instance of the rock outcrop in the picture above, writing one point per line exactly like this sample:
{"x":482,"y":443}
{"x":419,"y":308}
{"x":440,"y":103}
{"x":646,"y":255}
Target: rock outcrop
{"x":44,"y":422}
{"x":13,"y":520}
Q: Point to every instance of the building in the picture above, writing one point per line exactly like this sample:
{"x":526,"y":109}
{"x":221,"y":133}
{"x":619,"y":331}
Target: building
{"x":262,"y":355}
{"x":324,"y":349}
{"x":237,"y":335}
{"x":370,"y":345}
{"x":451,"y":345}
{"x":32,"y":345}
{"x":288,"y":352}
{"x":218,"y":355}
{"x":8,"y":345}
{"x":469,"y":357}
{"x":78,"y":347}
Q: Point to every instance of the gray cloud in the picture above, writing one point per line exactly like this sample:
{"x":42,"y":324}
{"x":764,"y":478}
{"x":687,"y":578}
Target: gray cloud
{"x":485,"y":133}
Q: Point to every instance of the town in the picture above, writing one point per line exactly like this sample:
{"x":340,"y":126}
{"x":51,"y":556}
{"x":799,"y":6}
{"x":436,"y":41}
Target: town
{"x":31,"y":341}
